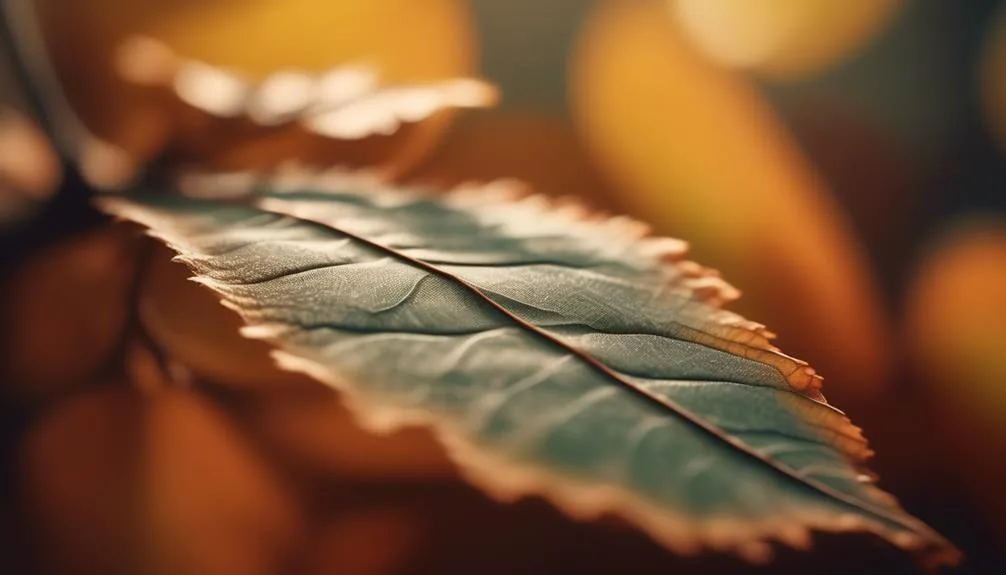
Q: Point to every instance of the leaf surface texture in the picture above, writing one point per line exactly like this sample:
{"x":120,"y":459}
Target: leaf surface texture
{"x":554,"y":352}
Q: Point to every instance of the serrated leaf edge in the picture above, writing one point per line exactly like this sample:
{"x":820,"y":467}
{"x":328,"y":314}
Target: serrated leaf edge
{"x":507,"y":480}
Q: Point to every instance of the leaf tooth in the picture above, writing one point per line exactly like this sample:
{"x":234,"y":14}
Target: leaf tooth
{"x":836,"y":427}
{"x":598,"y":218}
{"x":476,"y":194}
{"x":282,"y":96}
{"x":216,"y":91}
{"x":849,"y":522}
{"x":668,"y":250}
{"x":346,"y":83}
{"x":627,"y":228}
{"x":537,"y":203}
{"x":866,"y":476}
{"x":227,"y":303}
{"x":855,"y":449}
{"x":795,"y":536}
{"x":735,"y":327}
{"x":264,"y":331}
{"x":756,"y":552}
{"x":881,"y":495}
{"x":470,"y":93}
{"x":750,"y":344}
{"x":572,"y":208}
{"x":292,"y":176}
{"x":714,"y":290}
{"x":690,"y":269}
{"x":731,"y":319}
{"x":563,"y":212}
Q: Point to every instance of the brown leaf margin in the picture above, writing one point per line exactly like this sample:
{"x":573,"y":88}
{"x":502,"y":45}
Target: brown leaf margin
{"x":506,"y":480}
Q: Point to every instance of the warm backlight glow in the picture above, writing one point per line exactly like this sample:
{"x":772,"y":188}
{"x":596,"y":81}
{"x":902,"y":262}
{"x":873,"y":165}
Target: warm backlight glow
{"x":783,"y":38}
{"x":697,"y":151}
{"x":957,"y":320}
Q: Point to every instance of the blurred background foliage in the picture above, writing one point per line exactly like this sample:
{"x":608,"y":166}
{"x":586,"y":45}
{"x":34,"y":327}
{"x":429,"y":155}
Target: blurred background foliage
{"x":841,"y":162}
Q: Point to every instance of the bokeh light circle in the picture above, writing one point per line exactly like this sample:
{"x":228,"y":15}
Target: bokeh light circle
{"x":781,"y":38}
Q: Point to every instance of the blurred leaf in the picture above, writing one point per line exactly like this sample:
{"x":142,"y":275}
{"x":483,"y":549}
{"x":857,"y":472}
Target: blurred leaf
{"x":92,"y":44}
{"x":553,"y":353}
{"x":698,"y":152}
{"x":212,"y":503}
{"x":347,"y":103}
{"x":55,"y":342}
{"x":114,"y":481}
{"x":79,"y":474}
{"x":214,"y":116}
{"x":315,"y":436}
{"x":346,"y":115}
{"x":956,"y":332}
{"x":957,"y":319}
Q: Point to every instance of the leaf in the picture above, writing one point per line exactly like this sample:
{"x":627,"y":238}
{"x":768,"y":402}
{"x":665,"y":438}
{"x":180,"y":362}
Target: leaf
{"x":554,"y":352}
{"x":179,"y":111}
{"x":347,"y":102}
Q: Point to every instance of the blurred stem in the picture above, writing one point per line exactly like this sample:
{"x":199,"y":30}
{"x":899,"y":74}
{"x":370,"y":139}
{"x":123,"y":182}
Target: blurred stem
{"x":12,"y":50}
{"x":23,"y":46}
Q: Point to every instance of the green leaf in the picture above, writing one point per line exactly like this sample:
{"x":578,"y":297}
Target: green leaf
{"x":554,"y":353}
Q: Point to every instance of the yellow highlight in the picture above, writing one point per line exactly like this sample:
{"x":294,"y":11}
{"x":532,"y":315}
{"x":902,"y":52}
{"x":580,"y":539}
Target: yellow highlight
{"x":781,"y":38}
{"x":957,"y":320}
{"x":956,"y":332}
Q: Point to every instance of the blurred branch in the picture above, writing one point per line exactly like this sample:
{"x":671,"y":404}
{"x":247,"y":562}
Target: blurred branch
{"x":24,"y":49}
